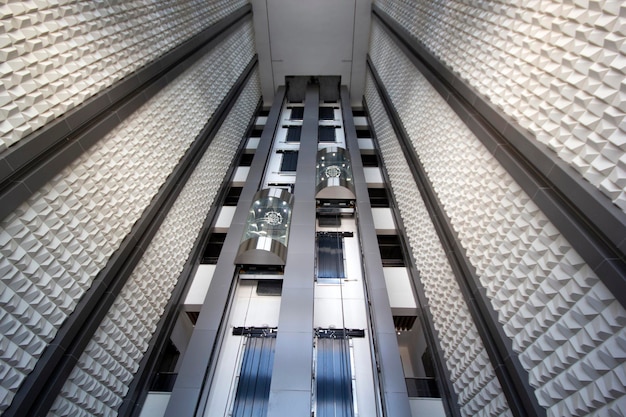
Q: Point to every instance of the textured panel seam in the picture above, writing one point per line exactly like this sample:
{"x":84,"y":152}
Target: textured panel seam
{"x":592,"y":224}
{"x":138,"y":389}
{"x":373,"y":270}
{"x":512,"y":376}
{"x":35,"y":159}
{"x":444,"y":382}
{"x":222,"y":284}
{"x":42,"y":385}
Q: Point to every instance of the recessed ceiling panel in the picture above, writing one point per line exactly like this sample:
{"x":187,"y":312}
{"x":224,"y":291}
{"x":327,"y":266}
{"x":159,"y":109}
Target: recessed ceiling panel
{"x":318,"y":33}
{"x":311,"y":37}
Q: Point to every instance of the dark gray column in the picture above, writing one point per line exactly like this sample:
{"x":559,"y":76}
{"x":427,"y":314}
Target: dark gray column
{"x":191,"y":388}
{"x":392,"y":387}
{"x":290,"y":391}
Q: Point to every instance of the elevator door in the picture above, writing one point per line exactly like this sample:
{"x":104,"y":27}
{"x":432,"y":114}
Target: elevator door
{"x":253,"y":389}
{"x":334,"y":378}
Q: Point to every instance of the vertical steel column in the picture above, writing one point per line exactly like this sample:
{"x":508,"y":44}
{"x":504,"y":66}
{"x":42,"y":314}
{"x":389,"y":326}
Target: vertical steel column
{"x":290,"y":390}
{"x":190,"y":391}
{"x":395,"y":399}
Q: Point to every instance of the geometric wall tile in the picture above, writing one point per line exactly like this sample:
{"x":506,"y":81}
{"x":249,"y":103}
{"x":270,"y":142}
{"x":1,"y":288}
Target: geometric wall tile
{"x":562,"y":320}
{"x":106,"y":368}
{"x":55,"y":55}
{"x":55,"y":243}
{"x":556,"y":68}
{"x":472,"y":375}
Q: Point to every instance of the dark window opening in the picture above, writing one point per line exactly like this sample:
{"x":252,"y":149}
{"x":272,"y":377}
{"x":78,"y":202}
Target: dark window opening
{"x":428,"y":363}
{"x":164,"y":378}
{"x":330,"y":256}
{"x":422,"y":388}
{"x":369,"y":160}
{"x":390,"y":250}
{"x":213,"y":248}
{"x":404,"y":323}
{"x":362,"y":133}
{"x":289,"y":162}
{"x":269,"y":287}
{"x":326,"y":113}
{"x":193,"y":316}
{"x":378,"y":197}
{"x":264,"y":112}
{"x":293,"y":133}
{"x":246,"y":159}
{"x":326,"y":133}
{"x":297,"y":113}
{"x":329,"y":221}
{"x":358,"y":113}
{"x":256,"y":133}
{"x":232,"y":198}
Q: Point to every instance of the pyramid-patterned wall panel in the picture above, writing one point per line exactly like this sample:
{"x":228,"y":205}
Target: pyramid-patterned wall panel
{"x":101,"y":378}
{"x":557,"y":68}
{"x":57,"y":241}
{"x":473,"y":376}
{"x":55,"y":54}
{"x":568,"y":329}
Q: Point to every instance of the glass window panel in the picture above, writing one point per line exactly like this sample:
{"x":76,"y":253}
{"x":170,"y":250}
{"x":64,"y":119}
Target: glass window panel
{"x":326,"y":133}
{"x":289,"y":162}
{"x":330,"y":256}
{"x":293,"y":133}
{"x":297,"y":113}
{"x":327,"y":113}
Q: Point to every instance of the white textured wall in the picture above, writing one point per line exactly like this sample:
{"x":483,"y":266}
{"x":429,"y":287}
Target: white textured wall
{"x":568,"y":329}
{"x":556,"y":67}
{"x":472,"y":374}
{"x":57,"y":241}
{"x":55,"y":54}
{"x":101,"y":378}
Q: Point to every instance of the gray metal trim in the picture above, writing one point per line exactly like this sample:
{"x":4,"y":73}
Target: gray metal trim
{"x":294,"y":343}
{"x":41,"y":387}
{"x":30,"y":163}
{"x":589,"y":221}
{"x":337,"y":188}
{"x":279,"y":193}
{"x":395,"y":402}
{"x":190,"y":391}
{"x":511,"y":374}
{"x":261,"y":250}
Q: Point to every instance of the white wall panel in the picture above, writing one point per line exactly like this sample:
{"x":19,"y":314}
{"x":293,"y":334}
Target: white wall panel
{"x":399,"y":288}
{"x":383,"y":220}
{"x":199,"y":286}
{"x":224,"y":219}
